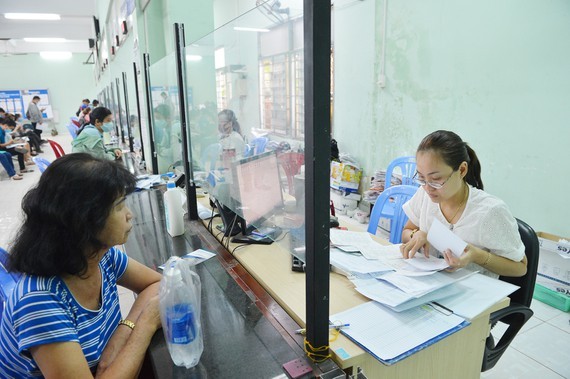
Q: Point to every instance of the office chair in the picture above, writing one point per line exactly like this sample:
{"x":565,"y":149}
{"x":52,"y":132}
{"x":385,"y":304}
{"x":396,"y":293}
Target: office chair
{"x":408,"y":167}
{"x":57,"y":149}
{"x":518,"y":312}
{"x":396,"y":196}
{"x":41,"y":163}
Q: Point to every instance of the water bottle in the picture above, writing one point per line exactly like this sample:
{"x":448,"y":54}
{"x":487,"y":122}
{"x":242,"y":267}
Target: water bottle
{"x":180,"y":313}
{"x":173,"y":210}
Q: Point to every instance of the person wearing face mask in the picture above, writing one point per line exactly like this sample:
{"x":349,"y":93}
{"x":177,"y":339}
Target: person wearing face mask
{"x":90,"y":136}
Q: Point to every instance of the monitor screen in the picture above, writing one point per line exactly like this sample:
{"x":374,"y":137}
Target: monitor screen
{"x":259,"y":187}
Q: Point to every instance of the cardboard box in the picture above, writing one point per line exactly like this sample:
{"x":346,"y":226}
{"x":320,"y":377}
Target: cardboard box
{"x":345,"y":177}
{"x":553,"y":262}
{"x":552,"y":298}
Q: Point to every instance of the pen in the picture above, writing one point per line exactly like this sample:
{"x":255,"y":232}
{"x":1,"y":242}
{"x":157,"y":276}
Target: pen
{"x":442,"y":307}
{"x":303,"y":330}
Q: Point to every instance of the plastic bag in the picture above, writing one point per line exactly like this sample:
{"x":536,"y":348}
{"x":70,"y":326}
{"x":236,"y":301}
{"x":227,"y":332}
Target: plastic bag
{"x":180,"y":309}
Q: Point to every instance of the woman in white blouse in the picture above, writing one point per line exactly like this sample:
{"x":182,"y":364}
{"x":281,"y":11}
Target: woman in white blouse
{"x":451,"y":191}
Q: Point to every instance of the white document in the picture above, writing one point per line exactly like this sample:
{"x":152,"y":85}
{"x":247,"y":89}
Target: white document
{"x":147,"y":181}
{"x":389,"y":335}
{"x":354,"y":263}
{"x":344,"y":237}
{"x":374,"y":250}
{"x":478,"y":292}
{"x":442,"y":239}
{"x":422,"y":263}
{"x":418,"y":286}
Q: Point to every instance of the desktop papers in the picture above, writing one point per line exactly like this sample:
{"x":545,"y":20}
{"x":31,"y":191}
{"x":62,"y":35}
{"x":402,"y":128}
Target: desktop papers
{"x":478,"y":292}
{"x":442,"y":239}
{"x":392,"y":336}
{"x":363,"y":242}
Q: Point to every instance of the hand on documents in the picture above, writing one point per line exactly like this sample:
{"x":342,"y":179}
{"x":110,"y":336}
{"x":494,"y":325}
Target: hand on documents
{"x":418,"y":242}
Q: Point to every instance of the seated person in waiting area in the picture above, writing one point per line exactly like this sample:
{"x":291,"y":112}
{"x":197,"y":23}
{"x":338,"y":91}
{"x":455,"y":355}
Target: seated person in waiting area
{"x":90,"y":136}
{"x":63,"y":318}
{"x":452,"y":192}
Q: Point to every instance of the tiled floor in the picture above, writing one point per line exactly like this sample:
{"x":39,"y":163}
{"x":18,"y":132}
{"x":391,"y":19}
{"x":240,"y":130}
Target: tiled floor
{"x":540,"y":350}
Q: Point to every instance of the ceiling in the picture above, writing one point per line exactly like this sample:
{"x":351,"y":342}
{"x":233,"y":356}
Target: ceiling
{"x":76,"y":26}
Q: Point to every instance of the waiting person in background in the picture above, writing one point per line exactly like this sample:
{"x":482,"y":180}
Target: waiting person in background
{"x":84,"y":104}
{"x":94,"y":103}
{"x":451,"y":191}
{"x":5,"y":143}
{"x":63,"y":319}
{"x":18,"y":131}
{"x":90,"y":136}
{"x":84,"y":118}
{"x":2,"y":113}
{"x":34,"y":114}
{"x":231,"y":140}
{"x":6,"y":161}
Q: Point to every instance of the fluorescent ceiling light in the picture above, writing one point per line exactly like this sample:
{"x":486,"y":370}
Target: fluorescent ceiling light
{"x":44,"y":40}
{"x":32,"y":16}
{"x":56,"y":55}
{"x":245,"y":29}
{"x":193,"y":58}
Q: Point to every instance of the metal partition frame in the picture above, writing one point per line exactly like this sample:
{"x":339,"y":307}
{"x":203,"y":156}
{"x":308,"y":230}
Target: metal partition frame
{"x":154,"y":158}
{"x":117,"y":85}
{"x":127,"y":113}
{"x":317,"y":45}
{"x":135,"y":72}
{"x":190,"y":185}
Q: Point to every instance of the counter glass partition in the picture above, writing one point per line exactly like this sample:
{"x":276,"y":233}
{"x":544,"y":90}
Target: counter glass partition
{"x":245,"y":98}
{"x":166,"y":114}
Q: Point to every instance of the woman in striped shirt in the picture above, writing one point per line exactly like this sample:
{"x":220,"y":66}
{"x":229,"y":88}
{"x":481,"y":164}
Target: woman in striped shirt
{"x":63,"y":318}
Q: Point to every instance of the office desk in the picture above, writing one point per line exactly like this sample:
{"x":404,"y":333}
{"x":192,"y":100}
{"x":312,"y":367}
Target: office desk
{"x":457,"y":356}
{"x":240,"y":341}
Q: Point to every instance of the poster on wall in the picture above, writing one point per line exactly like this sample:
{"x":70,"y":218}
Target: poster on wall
{"x":16,"y":101}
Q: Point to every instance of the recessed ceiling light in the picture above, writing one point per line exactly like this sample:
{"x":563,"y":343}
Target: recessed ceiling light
{"x":32,"y":16}
{"x":56,"y":55}
{"x":44,"y":40}
{"x":246,"y":29}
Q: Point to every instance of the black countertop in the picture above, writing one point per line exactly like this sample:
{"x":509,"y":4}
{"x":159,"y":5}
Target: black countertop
{"x":239,"y":340}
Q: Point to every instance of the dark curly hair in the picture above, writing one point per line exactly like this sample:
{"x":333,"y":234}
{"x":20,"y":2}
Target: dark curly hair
{"x":451,"y":148}
{"x":65,"y":213}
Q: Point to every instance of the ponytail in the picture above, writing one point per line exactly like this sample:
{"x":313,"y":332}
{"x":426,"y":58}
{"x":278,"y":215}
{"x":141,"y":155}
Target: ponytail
{"x":473,"y":176}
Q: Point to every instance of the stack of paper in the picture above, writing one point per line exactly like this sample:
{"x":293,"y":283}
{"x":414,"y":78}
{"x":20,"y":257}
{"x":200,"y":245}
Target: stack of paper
{"x":390,"y":336}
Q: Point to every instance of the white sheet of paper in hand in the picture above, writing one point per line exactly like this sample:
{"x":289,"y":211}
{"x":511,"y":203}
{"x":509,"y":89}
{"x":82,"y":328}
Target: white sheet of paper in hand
{"x":442,"y":239}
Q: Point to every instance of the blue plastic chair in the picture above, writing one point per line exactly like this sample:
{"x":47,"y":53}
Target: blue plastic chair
{"x":408,"y":167}
{"x":8,"y":280}
{"x":42,"y":163}
{"x":72,"y":130}
{"x":396,"y":196}
{"x":258,"y":145}
{"x":210,"y":156}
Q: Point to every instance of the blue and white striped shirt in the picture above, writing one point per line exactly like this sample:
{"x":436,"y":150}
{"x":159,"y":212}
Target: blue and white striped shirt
{"x":42,"y":310}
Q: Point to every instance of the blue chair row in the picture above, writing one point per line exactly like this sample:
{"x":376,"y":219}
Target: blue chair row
{"x":41,"y":163}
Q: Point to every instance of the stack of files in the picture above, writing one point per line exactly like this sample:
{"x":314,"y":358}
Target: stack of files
{"x":362,"y":242}
{"x":390,"y":336}
{"x":390,"y":293}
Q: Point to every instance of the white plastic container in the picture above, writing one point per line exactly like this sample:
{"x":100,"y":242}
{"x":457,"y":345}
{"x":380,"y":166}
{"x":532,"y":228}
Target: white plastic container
{"x":173,"y":210}
{"x":180,"y":292}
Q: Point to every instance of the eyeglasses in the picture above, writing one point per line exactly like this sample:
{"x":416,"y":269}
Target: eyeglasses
{"x":435,"y":185}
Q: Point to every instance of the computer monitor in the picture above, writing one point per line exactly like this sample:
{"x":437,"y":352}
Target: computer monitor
{"x":258,"y":182}
{"x":250,"y":196}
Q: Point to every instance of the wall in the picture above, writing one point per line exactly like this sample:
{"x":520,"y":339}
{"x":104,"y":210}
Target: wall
{"x":497,"y":74}
{"x":31,"y":71}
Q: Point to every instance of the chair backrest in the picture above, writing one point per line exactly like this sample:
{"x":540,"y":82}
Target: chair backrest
{"x":57,"y":149}
{"x":398,"y":195}
{"x":42,"y":163}
{"x":291,"y":161}
{"x":258,"y":145}
{"x":408,"y":167}
{"x":526,"y":283}
{"x":72,"y":130}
